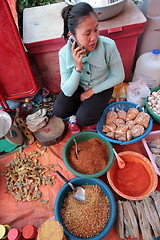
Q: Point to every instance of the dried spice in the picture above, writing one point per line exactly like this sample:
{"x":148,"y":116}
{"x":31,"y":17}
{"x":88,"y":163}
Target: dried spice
{"x":51,"y":230}
{"x":86,"y":218}
{"x":92,"y":156}
{"x":25,"y":174}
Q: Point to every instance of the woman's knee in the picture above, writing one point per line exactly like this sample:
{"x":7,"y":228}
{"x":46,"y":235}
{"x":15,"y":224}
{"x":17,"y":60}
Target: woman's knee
{"x":86,"y":119}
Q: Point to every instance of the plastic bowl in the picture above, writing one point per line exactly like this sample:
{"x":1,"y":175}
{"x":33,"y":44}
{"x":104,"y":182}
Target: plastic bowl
{"x":103,"y":10}
{"x":129,"y":156}
{"x":6,"y":122}
{"x":83,"y":136}
{"x":123,"y":105}
{"x":85,"y":181}
{"x":154,"y":116}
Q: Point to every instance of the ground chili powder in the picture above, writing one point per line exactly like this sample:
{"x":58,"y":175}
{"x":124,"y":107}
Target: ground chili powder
{"x":133,"y":180}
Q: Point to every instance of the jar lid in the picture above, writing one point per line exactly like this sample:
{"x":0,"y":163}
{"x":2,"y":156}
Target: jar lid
{"x":29,"y":232}
{"x":156,"y":51}
{"x":14,"y":234}
{"x":7,"y":227}
{"x":2,"y":231}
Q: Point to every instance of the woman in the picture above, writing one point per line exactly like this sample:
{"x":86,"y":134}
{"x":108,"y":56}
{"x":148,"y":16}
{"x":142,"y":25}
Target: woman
{"x":90,"y":67}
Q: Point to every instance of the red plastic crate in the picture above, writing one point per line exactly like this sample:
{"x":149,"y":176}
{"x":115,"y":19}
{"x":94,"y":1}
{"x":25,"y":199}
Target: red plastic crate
{"x":124,"y":29}
{"x":16,"y":78}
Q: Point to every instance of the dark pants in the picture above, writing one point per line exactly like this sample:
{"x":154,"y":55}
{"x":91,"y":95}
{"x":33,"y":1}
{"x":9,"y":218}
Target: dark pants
{"x":87,"y":112}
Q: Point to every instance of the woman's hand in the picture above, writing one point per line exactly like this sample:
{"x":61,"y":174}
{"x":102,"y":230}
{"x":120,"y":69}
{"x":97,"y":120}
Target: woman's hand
{"x":78,"y":53}
{"x":87,"y":94}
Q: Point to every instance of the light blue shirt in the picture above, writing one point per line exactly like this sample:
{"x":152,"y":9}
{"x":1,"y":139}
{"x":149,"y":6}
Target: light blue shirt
{"x":102,"y":68}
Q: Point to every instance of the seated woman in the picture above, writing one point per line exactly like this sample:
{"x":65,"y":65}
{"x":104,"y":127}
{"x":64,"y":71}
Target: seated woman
{"x":90,"y":66}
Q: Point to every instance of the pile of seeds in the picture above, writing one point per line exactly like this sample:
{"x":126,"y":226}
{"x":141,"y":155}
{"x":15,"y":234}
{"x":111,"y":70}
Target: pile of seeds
{"x":25,"y":174}
{"x":86,"y":218}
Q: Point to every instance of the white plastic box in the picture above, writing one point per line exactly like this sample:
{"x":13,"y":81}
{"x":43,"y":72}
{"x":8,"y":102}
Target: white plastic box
{"x":150,"y":137}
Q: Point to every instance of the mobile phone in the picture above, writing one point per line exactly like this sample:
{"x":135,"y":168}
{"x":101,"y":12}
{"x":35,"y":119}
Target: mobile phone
{"x":72,"y":40}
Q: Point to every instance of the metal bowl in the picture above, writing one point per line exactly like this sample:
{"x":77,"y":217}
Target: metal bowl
{"x":5,"y":123}
{"x":103,"y":9}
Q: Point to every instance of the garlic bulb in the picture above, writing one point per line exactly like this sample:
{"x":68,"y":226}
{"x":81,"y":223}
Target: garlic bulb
{"x":154,"y":102}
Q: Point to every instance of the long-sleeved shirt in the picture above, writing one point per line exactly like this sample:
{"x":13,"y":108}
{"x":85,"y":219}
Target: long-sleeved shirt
{"x":102,"y":68}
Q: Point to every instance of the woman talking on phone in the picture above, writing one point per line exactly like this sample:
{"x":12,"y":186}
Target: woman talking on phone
{"x":90,"y":66}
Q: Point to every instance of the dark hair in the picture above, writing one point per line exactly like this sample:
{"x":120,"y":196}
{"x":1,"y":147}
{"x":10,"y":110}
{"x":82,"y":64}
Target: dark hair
{"x":72,"y":14}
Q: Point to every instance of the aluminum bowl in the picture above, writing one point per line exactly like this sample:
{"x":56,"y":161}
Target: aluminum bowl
{"x":103,"y":10}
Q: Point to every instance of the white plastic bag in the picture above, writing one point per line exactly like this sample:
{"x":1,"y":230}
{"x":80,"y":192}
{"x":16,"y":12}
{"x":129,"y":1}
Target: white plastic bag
{"x":137,"y":91}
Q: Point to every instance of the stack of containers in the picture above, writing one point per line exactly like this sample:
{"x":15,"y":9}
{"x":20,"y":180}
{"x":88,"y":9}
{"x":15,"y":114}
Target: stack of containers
{"x":42,"y":36}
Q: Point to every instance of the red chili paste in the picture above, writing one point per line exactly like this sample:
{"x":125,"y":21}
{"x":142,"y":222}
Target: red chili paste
{"x":133,"y":180}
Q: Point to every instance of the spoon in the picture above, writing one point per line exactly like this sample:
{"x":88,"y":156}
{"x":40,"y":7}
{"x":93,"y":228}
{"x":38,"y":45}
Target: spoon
{"x":121,"y":163}
{"x":78,"y":192}
{"x":76,"y":147}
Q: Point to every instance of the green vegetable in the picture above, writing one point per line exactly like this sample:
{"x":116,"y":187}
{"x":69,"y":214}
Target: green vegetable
{"x":22,"y":4}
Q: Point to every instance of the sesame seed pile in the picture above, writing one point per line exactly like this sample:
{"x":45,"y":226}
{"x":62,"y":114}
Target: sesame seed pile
{"x":86,"y":218}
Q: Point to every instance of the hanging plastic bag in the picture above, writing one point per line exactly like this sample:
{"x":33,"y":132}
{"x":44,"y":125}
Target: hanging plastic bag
{"x":137,"y":91}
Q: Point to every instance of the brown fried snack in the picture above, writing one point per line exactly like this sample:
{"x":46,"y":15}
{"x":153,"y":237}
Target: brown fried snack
{"x":137,"y":130}
{"x":121,"y":130}
{"x":111,"y":117}
{"x":129,"y":135}
{"x":110,"y":135}
{"x":109,"y":128}
{"x":130,"y":123}
{"x":119,"y":121}
{"x":132,"y":114}
{"x":120,"y":138}
{"x":122,"y":114}
{"x":142,"y":119}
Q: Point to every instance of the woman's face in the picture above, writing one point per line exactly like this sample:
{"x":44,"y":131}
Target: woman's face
{"x":87,"y":32}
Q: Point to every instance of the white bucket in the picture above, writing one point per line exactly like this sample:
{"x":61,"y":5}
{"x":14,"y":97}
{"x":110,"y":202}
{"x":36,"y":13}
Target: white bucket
{"x":148,"y":68}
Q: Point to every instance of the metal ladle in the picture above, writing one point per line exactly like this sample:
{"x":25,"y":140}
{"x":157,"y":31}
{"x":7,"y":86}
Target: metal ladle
{"x":120,"y":161}
{"x":78,"y":192}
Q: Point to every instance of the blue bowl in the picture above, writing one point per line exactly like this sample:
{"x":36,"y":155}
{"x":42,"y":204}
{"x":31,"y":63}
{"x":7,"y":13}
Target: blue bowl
{"x":77,"y":181}
{"x":123,"y":105}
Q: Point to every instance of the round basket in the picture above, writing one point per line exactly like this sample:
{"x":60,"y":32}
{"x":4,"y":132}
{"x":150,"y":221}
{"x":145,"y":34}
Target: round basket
{"x":123,"y":105}
{"x":151,"y":113}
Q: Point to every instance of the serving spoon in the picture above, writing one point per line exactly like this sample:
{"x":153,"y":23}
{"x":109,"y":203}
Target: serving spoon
{"x":120,"y":161}
{"x":78,"y":192}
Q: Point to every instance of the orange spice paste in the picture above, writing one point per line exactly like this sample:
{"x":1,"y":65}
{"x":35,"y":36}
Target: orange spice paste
{"x":133,"y":180}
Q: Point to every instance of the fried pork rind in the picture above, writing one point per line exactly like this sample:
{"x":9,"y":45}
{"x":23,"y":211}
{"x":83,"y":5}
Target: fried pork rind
{"x":132,"y":114}
{"x":119,"y":121}
{"x":111,"y":117}
{"x":109,"y":128}
{"x":137,"y":130}
{"x":120,"y":138}
{"x":129,"y":135}
{"x":110,"y":135}
{"x":130,"y":123}
{"x":142,"y":119}
{"x":121,"y":130}
{"x":122,"y":114}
